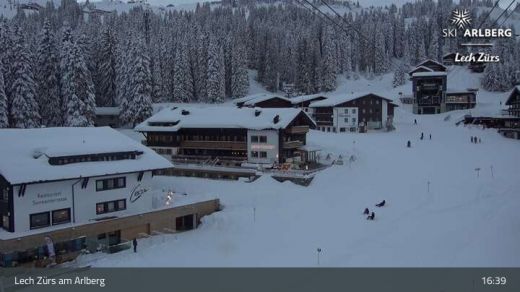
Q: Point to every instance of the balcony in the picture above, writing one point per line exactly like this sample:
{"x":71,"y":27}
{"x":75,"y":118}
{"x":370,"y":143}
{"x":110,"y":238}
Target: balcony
{"x":218,"y":145}
{"x":297,"y":130}
{"x":292,"y":144}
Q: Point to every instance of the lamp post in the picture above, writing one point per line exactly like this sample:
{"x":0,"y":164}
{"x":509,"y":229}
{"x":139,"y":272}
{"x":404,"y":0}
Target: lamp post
{"x":318,"y":253}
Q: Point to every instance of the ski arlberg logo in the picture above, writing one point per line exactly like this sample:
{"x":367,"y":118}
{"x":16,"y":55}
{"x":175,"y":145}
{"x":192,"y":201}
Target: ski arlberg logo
{"x":473,"y":37}
{"x":460,"y":18}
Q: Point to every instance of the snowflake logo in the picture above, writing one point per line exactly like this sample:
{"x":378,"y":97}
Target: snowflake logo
{"x":460,"y":18}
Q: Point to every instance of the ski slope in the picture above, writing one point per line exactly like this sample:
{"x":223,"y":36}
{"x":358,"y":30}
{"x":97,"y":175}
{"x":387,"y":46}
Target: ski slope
{"x":459,"y":219}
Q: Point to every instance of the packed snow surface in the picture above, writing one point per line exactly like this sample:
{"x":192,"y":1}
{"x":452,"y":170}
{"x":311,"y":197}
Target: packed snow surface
{"x":449,"y":202}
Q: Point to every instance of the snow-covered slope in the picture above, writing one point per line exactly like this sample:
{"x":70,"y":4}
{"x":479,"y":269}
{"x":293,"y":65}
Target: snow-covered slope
{"x":459,"y":219}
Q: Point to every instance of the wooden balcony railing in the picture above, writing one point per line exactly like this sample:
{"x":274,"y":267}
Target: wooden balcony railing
{"x":297,"y":130}
{"x":220,"y":145}
{"x":292,"y":144}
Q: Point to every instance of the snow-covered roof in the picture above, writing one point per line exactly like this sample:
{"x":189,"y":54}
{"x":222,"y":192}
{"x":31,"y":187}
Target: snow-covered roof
{"x":425,"y":74}
{"x":174,"y":118}
{"x":432,"y":61}
{"x":338,"y":99}
{"x":253,"y":99}
{"x":19,"y":165}
{"x":421,"y":67}
{"x":304,"y":98}
{"x":107,"y":111}
{"x":448,"y":54}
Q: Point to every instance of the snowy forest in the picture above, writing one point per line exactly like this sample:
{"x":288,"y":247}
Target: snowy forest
{"x":57,"y":65}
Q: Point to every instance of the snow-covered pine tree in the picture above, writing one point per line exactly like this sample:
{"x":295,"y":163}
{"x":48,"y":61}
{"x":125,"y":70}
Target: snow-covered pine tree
{"x":77,"y":88}
{"x":328,"y":60}
{"x":24,"y":108}
{"x":107,"y":69}
{"x":47,"y":70}
{"x":138,"y":105}
{"x":399,"y":76}
{"x":215,"y":73}
{"x":4,"y":111}
{"x":182,"y":84}
{"x":239,"y":74}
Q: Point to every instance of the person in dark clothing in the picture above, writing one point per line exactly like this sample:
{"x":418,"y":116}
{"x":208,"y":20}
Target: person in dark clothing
{"x":366,"y":212}
{"x":409,"y":144}
{"x":371,"y":216}
{"x":381,"y":204}
{"x":134,"y":243}
{"x":430,"y":136}
{"x":415,"y":121}
{"x":422,"y":136}
{"x":479,"y":141}
{"x":472,"y":139}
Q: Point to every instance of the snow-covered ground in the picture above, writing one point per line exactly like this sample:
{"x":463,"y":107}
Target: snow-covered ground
{"x":464,"y":219}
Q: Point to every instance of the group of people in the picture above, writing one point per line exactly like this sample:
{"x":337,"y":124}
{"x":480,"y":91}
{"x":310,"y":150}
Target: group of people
{"x":475,"y":140}
{"x":372,"y":215}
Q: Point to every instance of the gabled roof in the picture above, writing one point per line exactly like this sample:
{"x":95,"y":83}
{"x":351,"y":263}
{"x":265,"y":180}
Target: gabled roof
{"x":252,"y":100}
{"x":299,"y":99}
{"x":448,"y":54}
{"x":423,"y":63}
{"x":25,"y":158}
{"x":420,"y":69}
{"x":514,"y":92}
{"x":339,"y":99}
{"x":173,"y":119}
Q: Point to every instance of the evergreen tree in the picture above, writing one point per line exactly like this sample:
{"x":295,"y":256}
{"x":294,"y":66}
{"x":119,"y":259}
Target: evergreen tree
{"x":138,"y":105}
{"x":4,"y":111}
{"x":215,"y":77}
{"x":399,"y":76}
{"x":239,"y":74}
{"x":24,"y":108}
{"x":328,"y":61}
{"x":107,"y":69}
{"x":77,"y":88}
{"x":183,"y":84}
{"x":47,"y":78}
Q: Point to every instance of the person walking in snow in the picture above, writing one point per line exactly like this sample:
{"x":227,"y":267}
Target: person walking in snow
{"x":415,"y":121}
{"x":409,"y":144}
{"x":381,"y":204}
{"x":422,"y":136}
{"x":430,"y":136}
{"x":479,"y":141}
{"x":134,"y":243}
{"x":366,"y":212}
{"x":371,"y":216}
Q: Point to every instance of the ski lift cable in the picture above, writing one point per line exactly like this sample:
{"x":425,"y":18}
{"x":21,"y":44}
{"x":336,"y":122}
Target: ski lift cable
{"x":505,"y":19}
{"x":505,"y":10}
{"x":314,"y":7}
{"x":489,"y":13}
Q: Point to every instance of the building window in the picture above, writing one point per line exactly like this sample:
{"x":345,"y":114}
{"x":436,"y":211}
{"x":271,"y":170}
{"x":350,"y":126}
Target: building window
{"x":111,"y":206}
{"x":353,"y":110}
{"x":346,"y":110}
{"x":254,"y":154}
{"x":377,"y":101}
{"x":353,"y":120}
{"x":342,"y":130}
{"x":40,"y":220}
{"x":346,"y":120}
{"x":254,"y":139}
{"x":364,"y":110}
{"x":263,"y":154}
{"x":5,"y":195}
{"x":110,"y":184}
{"x":263,"y":139}
{"x":60,"y":216}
